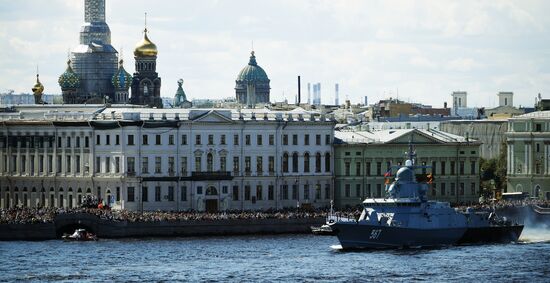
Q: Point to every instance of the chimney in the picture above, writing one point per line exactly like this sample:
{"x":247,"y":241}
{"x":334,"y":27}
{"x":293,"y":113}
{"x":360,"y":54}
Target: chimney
{"x":299,"y":91}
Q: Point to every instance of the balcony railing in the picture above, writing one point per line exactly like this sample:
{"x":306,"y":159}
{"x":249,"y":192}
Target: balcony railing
{"x":213,"y":175}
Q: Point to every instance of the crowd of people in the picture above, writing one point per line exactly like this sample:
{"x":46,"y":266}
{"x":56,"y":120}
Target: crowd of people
{"x":46,"y":215}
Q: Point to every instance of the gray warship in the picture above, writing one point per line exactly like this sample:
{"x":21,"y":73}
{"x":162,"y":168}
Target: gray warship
{"x":406,"y":218}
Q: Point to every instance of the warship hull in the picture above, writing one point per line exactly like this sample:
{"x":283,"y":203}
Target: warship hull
{"x":491,"y":234}
{"x":364,"y":236}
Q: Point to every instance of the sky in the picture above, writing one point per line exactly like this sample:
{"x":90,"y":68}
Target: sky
{"x":420,"y":51}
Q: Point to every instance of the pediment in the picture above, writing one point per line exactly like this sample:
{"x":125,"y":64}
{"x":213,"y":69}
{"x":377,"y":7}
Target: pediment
{"x":416,"y":137}
{"x":212,"y":116}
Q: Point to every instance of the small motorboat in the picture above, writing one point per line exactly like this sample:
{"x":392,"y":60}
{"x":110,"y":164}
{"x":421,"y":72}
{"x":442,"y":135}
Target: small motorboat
{"x":324,"y":230}
{"x":80,"y":235}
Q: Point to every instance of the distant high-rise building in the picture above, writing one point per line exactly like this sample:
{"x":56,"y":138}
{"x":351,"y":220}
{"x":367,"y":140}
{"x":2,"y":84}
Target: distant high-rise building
{"x":94,"y":60}
{"x":366,"y":100}
{"x":336,"y":95}
{"x":308,"y":93}
{"x":317,"y":94}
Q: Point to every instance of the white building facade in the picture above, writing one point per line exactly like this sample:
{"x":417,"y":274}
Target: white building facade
{"x":167,"y":159}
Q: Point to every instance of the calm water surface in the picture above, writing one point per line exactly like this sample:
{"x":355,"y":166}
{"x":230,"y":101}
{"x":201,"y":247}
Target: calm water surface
{"x":269,"y":258}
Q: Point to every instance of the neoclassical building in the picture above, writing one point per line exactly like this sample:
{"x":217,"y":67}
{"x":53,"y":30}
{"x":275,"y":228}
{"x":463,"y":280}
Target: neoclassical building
{"x":168,"y":159}
{"x":363,"y":157}
{"x":528,"y":151}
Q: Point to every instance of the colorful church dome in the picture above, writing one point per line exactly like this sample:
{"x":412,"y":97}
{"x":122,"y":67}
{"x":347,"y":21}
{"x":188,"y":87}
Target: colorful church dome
{"x":38,"y":87}
{"x":121,"y":79}
{"x":145,"y":47}
{"x":69,"y":79}
{"x":252,"y":72}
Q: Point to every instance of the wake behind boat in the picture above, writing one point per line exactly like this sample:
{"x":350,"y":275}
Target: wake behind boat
{"x":405,"y":218}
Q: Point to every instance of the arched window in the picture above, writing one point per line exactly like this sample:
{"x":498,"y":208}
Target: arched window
{"x":295,"y":162}
{"x":306,"y":162}
{"x":211,"y":191}
{"x":318,"y":162}
{"x":327,"y":162}
{"x":209,"y":162}
{"x":285,"y":162}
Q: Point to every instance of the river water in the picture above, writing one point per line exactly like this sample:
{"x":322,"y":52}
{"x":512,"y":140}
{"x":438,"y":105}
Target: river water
{"x":270,"y":258}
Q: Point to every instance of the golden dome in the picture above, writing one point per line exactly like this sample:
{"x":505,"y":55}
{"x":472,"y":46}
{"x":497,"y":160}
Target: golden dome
{"x":145,"y":47}
{"x":38,"y":88}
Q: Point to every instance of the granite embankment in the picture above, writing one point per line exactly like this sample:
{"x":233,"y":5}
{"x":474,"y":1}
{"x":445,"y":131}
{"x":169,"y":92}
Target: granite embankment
{"x":65,"y":223}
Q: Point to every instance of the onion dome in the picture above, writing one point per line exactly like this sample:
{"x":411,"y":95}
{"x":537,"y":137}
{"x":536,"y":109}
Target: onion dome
{"x":121,"y":79}
{"x":38,"y":87}
{"x":69,"y":79}
{"x":252,"y":72}
{"x":145,"y":47}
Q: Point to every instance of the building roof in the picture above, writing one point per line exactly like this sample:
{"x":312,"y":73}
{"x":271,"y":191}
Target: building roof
{"x":398,"y":136}
{"x":536,"y":114}
{"x":252,"y":72}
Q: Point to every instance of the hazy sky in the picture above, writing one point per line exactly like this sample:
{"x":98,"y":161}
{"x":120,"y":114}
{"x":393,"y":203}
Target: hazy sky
{"x":422,"y":49}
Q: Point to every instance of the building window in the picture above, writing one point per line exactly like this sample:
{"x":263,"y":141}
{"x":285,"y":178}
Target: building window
{"x":259,"y":140}
{"x":197,"y":139}
{"x":117,"y":164}
{"x":158,"y":139}
{"x":157,"y":193}
{"x":473,"y":189}
{"x":183,"y":165}
{"x":199,"y":190}
{"x":235,"y":139}
{"x":346,"y":169}
{"x":358,"y":190}
{"x":358,"y":168}
{"x":68,"y":163}
{"x":222,"y":139}
{"x":97,"y":164}
{"x":86,"y":142}
{"x":107,"y":139}
{"x":306,"y":191}
{"x":247,"y":139}
{"x":171,"y":165}
{"x":170,"y":193}
{"x":198,"y":165}
{"x":117,"y":140}
{"x":453,"y":189}
{"x":210,"y":139}
{"x":183,"y":139}
{"x":130,"y":139}
{"x":327,"y":140}
{"x":209,"y":162}
{"x":259,"y":192}
{"x":294,"y":139}
{"x":378,"y":168}
{"x":318,"y":162}
{"x":235,"y":192}
{"x":145,"y":194}
{"x":246,"y":192}
{"x":472,"y":167}
{"x":347,"y":190}
{"x":271,"y":139}
{"x":295,"y":162}
{"x":144,"y":140}
{"x":317,"y":139}
{"x":77,"y":142}
{"x":306,"y":139}
{"x":306,"y":162}
{"x":97,"y":140}
{"x":284,"y":189}
{"x":145,"y":165}
{"x":271,"y":164}
{"x":183,"y":193}
{"x":461,"y":167}
{"x":130,"y":165}
{"x":117,"y":195}
{"x":247,"y":166}
{"x":285,"y":162}
{"x":131,"y":196}
{"x":69,"y":142}
{"x":236,"y":165}
{"x":367,"y":168}
{"x":442,"y":168}
{"x":223,"y":163}
{"x":443,"y":192}
{"x":270,"y":192}
{"x":259,"y":165}
{"x":107,"y":164}
{"x":461,"y":189}
{"x":171,"y":139}
{"x":158,"y":165}
{"x":285,"y":139}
